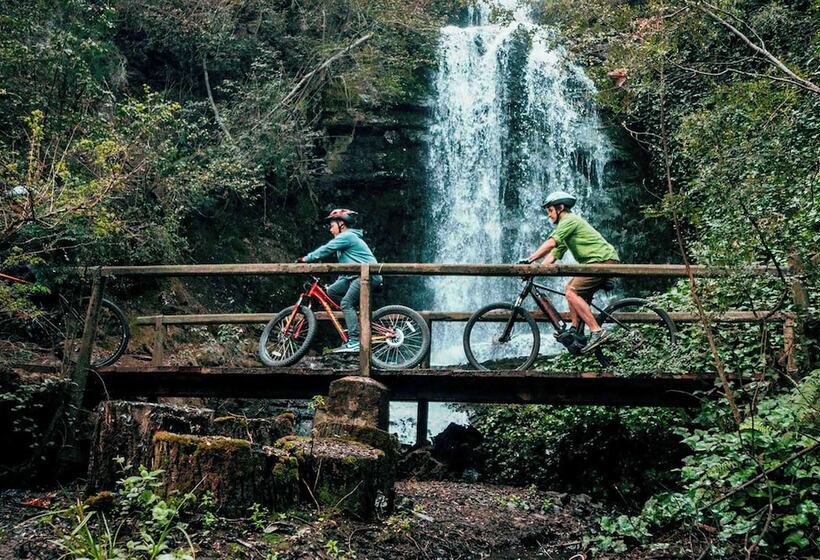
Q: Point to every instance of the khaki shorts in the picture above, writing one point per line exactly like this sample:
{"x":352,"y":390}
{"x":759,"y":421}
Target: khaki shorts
{"x":586,"y":286}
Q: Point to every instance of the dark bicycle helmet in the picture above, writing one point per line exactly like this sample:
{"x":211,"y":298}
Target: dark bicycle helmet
{"x":560,"y":197}
{"x":343,"y":214}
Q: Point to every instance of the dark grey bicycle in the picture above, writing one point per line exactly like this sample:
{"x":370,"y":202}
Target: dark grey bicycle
{"x":505,"y":336}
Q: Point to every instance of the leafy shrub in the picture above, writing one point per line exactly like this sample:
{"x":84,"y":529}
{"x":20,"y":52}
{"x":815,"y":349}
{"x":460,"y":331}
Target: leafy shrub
{"x":599,"y":450}
{"x":724,"y":488}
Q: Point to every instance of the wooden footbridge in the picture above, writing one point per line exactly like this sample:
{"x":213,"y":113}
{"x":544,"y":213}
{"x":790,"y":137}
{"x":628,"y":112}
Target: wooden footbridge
{"x":423,"y":384}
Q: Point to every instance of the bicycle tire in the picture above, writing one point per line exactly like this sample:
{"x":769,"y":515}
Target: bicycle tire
{"x":666,"y":328}
{"x":469,"y":351}
{"x":300,"y":350}
{"x":406,"y":341}
{"x":73,"y":322}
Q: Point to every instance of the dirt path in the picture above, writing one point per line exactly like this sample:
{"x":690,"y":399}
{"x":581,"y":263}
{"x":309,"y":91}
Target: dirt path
{"x":443,"y":520}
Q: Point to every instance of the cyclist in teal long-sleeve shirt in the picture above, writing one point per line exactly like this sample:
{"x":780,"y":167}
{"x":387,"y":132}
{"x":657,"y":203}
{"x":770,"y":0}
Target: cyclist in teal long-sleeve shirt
{"x":349,"y":247}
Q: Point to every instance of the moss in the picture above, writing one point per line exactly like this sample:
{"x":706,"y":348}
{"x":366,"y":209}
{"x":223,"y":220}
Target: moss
{"x":273,"y":538}
{"x":241,"y":420}
{"x":285,"y":472}
{"x":102,"y":501}
{"x":292,"y":444}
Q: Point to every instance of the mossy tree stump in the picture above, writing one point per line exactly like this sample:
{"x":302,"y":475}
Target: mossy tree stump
{"x":374,"y":437}
{"x":356,"y":400}
{"x":234,"y":472}
{"x":259,"y":431}
{"x":335,"y":473}
{"x":125,"y":429}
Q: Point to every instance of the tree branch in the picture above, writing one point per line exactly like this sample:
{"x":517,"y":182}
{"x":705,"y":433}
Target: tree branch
{"x":801,"y":82}
{"x":307,"y":77}
{"x":704,"y":318}
{"x":213,"y":104}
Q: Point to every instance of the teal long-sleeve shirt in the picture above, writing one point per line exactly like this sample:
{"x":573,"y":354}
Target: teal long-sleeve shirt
{"x":350,"y":247}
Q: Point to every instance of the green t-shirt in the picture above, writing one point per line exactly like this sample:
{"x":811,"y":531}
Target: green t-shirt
{"x":583,"y":241}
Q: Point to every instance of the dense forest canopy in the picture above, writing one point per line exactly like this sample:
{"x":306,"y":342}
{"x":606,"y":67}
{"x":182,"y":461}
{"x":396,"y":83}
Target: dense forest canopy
{"x":129,"y":127}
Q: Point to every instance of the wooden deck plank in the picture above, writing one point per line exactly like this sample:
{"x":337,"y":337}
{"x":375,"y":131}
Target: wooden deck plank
{"x":515,"y":387}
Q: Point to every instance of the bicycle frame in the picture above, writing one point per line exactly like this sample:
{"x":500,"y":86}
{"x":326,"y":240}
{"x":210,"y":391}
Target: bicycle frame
{"x":316,"y":292}
{"x":542,"y":300}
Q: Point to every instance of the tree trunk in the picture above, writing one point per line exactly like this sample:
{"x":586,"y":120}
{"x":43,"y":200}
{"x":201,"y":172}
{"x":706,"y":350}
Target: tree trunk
{"x":338,"y":474}
{"x":234,"y":472}
{"x":259,"y":431}
{"x":126,"y":429}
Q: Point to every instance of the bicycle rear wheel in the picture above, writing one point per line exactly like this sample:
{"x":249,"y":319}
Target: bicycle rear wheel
{"x":284,"y":342}
{"x":642,"y":337}
{"x":482,"y":339}
{"x":110,"y":341}
{"x":400,"y":338}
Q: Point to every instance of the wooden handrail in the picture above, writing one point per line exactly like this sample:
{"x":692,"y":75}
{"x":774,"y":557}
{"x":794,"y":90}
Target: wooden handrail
{"x":161,"y":322}
{"x":450,"y":316}
{"x":434,"y":269}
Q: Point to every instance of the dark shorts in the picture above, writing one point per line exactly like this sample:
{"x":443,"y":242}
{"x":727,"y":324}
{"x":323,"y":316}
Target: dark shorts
{"x":586,"y":286}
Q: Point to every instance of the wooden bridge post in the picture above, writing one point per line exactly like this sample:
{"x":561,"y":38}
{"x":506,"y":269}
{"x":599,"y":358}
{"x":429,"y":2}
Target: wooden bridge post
{"x":79,"y":376}
{"x":158,"y":353}
{"x":800,"y":296}
{"x":364,"y":321}
{"x":423,"y":406}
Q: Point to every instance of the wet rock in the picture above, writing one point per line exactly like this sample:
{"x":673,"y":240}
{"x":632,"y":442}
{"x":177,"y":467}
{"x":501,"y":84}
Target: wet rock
{"x":457,"y":447}
{"x":419,"y":464}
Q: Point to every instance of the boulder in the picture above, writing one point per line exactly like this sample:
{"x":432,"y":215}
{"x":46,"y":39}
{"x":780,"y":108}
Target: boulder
{"x":457,"y":447}
{"x":420,"y":465}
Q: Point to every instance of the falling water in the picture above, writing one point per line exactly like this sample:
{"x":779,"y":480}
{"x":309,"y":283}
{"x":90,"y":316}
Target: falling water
{"x":514,"y":120}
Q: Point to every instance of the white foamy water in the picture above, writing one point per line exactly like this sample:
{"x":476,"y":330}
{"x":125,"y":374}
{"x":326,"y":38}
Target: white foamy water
{"x":514,"y":120}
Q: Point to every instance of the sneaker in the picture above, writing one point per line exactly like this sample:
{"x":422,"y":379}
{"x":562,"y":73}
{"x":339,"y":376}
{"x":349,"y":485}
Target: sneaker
{"x":347,"y":347}
{"x":595,"y":340}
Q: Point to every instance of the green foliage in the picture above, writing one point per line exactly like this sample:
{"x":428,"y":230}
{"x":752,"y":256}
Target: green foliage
{"x":260,"y":516}
{"x":590,"y":449}
{"x":779,"y":512}
{"x":146,"y":522}
{"x":742,"y":142}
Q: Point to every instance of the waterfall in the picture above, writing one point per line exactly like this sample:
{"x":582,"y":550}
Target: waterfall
{"x":514,"y":119}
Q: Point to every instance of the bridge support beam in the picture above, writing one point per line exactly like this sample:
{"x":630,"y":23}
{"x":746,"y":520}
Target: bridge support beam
{"x":356,"y":400}
{"x":422,"y":415}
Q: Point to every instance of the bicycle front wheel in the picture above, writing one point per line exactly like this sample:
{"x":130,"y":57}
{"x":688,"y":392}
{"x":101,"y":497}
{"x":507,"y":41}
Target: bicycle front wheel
{"x":486,"y":346}
{"x":284,"y":341}
{"x":400,"y":338}
{"x":641,"y":337}
{"x":110,"y":340}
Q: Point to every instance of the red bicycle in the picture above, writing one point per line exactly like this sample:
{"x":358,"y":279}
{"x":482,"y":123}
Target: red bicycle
{"x":400,"y":338}
{"x":59,"y":325}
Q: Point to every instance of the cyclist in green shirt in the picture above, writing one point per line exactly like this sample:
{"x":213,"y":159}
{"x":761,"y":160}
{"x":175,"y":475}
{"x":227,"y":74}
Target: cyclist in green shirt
{"x":587,"y":245}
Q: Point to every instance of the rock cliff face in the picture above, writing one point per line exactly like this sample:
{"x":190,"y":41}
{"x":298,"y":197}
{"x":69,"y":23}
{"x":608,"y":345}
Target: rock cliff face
{"x":375,"y":163}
